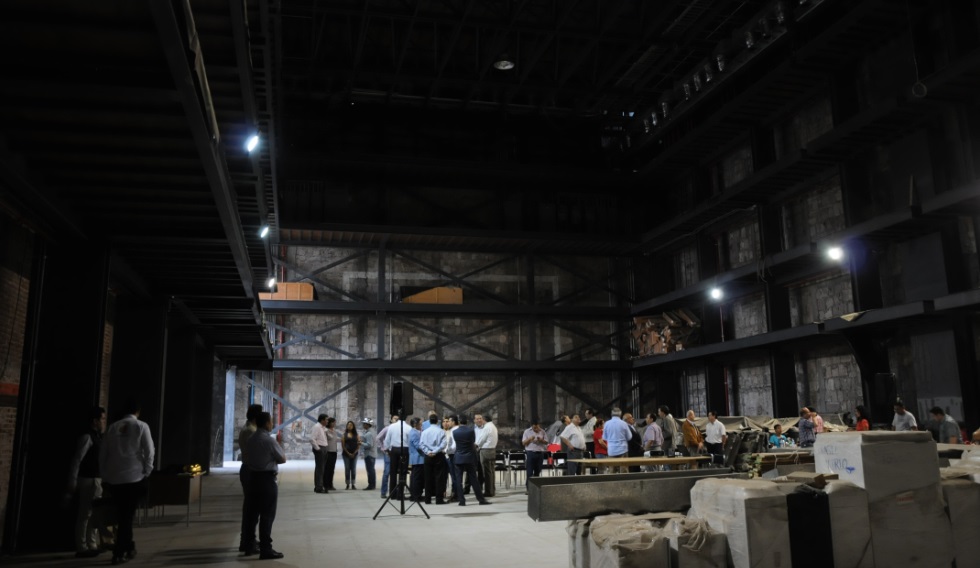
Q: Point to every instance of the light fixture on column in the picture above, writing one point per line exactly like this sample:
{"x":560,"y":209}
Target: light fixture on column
{"x":504,"y":62}
{"x":716,"y":294}
{"x":264,"y":232}
{"x":252,"y":143}
{"x":835,"y":253}
{"x":271,"y":282}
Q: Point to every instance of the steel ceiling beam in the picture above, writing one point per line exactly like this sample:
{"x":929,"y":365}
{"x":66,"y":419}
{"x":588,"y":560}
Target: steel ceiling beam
{"x":195,"y":99}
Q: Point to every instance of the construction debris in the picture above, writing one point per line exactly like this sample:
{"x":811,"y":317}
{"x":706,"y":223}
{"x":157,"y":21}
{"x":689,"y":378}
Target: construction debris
{"x":670,"y":331}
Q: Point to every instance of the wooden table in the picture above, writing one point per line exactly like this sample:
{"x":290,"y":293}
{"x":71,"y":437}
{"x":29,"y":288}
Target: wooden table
{"x":626,"y":462}
{"x":180,"y":489}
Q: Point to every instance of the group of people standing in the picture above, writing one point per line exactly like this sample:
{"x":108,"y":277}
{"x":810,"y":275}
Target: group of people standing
{"x":115,"y":463}
{"x":622,"y":436}
{"x":447,"y":457}
{"x":326,"y":442}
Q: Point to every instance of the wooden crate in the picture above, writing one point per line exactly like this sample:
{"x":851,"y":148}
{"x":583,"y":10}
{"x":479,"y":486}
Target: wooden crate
{"x":440,"y":295}
{"x":301,"y":291}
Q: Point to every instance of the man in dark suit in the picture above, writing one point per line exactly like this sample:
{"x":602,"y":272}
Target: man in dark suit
{"x":466,"y":458}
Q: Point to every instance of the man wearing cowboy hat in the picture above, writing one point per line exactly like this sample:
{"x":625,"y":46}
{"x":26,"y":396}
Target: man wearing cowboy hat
{"x":370,"y":448}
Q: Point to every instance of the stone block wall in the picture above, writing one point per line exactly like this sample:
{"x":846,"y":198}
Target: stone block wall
{"x":831,"y":379}
{"x":968,"y":250}
{"x":686,"y":267}
{"x":814,"y":119}
{"x":743,"y":244}
{"x":754,"y":388}
{"x":822,"y":298}
{"x":749,"y":315}
{"x":737,"y":165}
{"x":817,"y":213}
{"x":694,"y":385}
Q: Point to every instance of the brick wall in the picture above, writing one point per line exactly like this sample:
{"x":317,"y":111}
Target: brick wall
{"x":16,"y":258}
{"x":754,"y":388}
{"x":821,"y":299}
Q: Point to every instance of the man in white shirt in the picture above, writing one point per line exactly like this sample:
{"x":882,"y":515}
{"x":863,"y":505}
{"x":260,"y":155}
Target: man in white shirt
{"x":535,"y":443}
{"x":450,"y":424}
{"x":384,"y":450}
{"x":126,"y":461}
{"x":588,"y":430}
{"x":903,"y":421}
{"x":318,"y":441}
{"x":573,"y":440}
{"x":715,"y":435}
{"x":396,"y":440}
{"x":486,"y":441}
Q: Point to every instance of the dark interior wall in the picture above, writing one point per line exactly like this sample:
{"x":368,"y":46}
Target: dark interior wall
{"x":56,"y":392}
{"x":137,"y":359}
{"x":186,"y":434}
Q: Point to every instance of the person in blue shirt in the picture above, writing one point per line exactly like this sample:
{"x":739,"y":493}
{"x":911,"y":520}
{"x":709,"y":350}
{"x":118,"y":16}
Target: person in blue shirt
{"x":778,"y":439}
{"x":416,"y":459}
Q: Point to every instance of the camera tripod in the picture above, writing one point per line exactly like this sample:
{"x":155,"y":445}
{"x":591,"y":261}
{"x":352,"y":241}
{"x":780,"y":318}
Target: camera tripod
{"x":402,"y":486}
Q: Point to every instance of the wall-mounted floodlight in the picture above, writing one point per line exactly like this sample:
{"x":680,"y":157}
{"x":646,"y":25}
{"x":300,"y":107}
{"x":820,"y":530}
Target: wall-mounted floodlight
{"x":271,"y":282}
{"x":264,"y":232}
{"x":716,"y":294}
{"x":252,"y":143}
{"x":835,"y":253}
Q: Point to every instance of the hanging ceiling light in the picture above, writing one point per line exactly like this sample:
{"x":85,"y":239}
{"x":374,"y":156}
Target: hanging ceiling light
{"x":504,"y":63}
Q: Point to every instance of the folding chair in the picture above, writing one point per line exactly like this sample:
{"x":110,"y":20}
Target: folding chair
{"x":517,"y":461}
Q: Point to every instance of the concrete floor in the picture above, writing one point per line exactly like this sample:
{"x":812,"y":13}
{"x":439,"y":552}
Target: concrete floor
{"x":336,"y":530}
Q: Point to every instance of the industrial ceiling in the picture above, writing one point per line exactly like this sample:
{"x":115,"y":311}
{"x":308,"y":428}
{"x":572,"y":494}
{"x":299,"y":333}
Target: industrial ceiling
{"x":124,"y":124}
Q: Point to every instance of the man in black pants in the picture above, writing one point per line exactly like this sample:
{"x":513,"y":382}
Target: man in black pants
{"x":263,"y":456}
{"x":126,"y":461}
{"x":396,"y":440}
{"x":248,"y":532}
{"x":466,"y":459}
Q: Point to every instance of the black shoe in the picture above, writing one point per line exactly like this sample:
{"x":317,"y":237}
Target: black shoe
{"x":441,"y":502}
{"x":270,"y":555}
{"x":130,"y":554}
{"x":90,"y":553}
{"x":319,"y":490}
{"x":369,"y":488}
{"x":119,"y":560}
{"x":352,"y":487}
{"x":251,"y":550}
{"x":462,"y":503}
{"x":486,"y":503}
{"x":383,"y":496}
{"x":348,"y":486}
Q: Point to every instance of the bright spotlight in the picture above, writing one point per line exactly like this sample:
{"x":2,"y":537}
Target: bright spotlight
{"x":715,"y":293}
{"x":271,"y":283}
{"x":252,"y":142}
{"x":264,"y":232}
{"x":835,"y":253}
